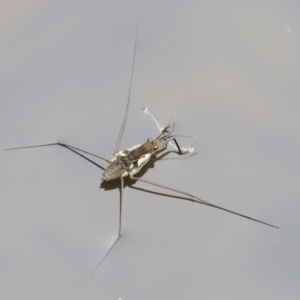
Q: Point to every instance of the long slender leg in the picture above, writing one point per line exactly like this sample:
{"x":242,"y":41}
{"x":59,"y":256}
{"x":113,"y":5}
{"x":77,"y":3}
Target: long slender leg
{"x":198,"y":200}
{"x":121,"y":205}
{"x":120,"y":225}
{"x":63,"y":145}
{"x":84,"y":151}
{"x":128,"y":100}
{"x":117,"y":150}
{"x":84,"y":157}
{"x":67,"y":147}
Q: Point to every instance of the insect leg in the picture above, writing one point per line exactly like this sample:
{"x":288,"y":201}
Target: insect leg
{"x":167,"y":139}
{"x":182,"y":151}
{"x":128,"y":99}
{"x":63,"y":145}
{"x":84,"y":151}
{"x":179,"y":150}
{"x":83,"y":157}
{"x":121,"y":205}
{"x":198,"y":200}
{"x":161,"y":157}
{"x":120,"y":226}
{"x":67,"y":147}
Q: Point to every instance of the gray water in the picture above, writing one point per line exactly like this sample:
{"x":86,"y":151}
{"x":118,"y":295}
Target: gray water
{"x":231,"y":71}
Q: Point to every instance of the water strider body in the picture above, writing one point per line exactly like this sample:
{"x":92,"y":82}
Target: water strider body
{"x":130,"y":161}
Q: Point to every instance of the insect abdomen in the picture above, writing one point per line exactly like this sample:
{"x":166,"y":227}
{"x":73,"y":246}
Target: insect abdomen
{"x":116,"y":169}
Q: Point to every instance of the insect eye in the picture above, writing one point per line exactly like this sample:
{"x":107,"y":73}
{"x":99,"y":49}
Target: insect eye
{"x":149,"y":140}
{"x":155,"y":147}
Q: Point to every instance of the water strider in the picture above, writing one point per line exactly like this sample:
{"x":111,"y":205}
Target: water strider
{"x":127,"y":163}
